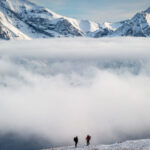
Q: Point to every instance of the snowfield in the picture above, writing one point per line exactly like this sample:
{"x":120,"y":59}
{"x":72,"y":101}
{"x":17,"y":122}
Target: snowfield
{"x":128,"y":145}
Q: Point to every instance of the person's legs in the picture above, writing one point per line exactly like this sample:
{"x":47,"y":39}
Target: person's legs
{"x":88,"y":143}
{"x":75,"y":144}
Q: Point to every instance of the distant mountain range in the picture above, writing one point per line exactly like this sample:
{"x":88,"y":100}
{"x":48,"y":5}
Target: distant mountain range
{"x":22,"y":19}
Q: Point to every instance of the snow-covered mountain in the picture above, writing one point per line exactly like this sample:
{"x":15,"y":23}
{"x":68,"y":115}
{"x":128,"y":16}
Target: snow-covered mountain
{"x":128,"y":145}
{"x":22,"y":19}
{"x":139,"y":25}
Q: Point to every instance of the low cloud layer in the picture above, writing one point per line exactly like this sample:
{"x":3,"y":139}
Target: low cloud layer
{"x":60,"y":88}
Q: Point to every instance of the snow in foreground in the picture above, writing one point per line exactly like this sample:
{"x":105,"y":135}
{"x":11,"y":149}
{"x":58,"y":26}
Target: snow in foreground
{"x":128,"y":145}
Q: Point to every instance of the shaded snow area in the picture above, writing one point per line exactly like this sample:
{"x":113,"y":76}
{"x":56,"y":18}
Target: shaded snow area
{"x":128,"y":145}
{"x":55,"y":89}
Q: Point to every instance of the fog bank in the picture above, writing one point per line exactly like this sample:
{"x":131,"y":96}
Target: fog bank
{"x":60,"y":88}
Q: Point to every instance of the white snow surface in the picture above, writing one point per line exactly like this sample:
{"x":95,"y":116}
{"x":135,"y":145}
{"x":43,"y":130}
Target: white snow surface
{"x":128,"y":145}
{"x":111,"y":26}
{"x":88,"y":26}
{"x":7,"y":23}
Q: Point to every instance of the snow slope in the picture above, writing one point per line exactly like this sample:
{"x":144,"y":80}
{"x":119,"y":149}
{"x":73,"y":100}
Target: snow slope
{"x":139,"y":25}
{"x":128,"y":145}
{"x":39,"y":22}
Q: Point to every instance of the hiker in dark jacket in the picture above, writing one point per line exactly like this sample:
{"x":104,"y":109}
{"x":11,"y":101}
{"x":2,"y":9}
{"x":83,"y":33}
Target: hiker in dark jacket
{"x":88,"y":138}
{"x":76,"y":141}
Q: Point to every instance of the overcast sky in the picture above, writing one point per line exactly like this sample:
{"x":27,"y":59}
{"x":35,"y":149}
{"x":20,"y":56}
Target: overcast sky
{"x":97,"y":10}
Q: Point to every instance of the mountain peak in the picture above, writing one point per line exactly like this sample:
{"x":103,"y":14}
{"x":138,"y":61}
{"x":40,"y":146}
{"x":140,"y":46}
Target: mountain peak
{"x":147,"y":10}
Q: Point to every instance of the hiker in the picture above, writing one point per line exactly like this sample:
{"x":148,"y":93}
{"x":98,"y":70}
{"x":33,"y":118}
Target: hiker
{"x":76,"y":141}
{"x":88,"y":138}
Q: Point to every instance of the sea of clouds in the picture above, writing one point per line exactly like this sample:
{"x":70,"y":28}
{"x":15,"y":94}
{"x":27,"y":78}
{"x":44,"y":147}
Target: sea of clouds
{"x":60,"y":88}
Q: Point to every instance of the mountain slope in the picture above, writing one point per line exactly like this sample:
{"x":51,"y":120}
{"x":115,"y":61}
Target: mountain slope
{"x":22,"y":19}
{"x":139,"y":25}
{"x":16,"y":29}
{"x":128,"y":145}
{"x":34,"y":21}
{"x":39,"y":22}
